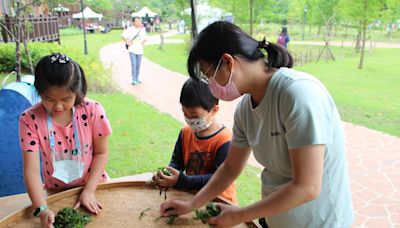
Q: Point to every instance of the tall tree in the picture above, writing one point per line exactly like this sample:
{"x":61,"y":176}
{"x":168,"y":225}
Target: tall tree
{"x":301,"y":12}
{"x":364,"y":12}
{"x":19,"y":34}
{"x":251,"y":6}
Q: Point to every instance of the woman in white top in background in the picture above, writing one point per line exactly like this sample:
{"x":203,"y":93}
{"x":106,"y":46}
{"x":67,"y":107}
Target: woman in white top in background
{"x":134,"y":38}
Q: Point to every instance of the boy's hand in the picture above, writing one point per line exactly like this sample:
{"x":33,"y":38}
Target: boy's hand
{"x":168,"y":181}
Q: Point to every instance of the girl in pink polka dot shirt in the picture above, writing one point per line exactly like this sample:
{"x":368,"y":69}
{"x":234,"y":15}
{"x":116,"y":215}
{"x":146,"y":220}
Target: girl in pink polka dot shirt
{"x":68,"y":132}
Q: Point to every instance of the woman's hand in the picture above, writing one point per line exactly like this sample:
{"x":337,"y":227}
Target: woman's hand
{"x":47,"y":218}
{"x":89,"y":202}
{"x":228,"y":217}
{"x":167,"y":181}
{"x":175,"y":207}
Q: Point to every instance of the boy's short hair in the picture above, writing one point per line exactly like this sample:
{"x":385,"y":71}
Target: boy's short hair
{"x":197,"y":94}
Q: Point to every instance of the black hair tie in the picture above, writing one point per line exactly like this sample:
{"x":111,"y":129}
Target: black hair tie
{"x":263,"y":43}
{"x":60,"y":58}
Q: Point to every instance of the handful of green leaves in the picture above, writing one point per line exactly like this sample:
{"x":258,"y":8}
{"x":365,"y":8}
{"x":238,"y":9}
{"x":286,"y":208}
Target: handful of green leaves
{"x":211,"y":210}
{"x":166,"y":172}
{"x":70,"y":218}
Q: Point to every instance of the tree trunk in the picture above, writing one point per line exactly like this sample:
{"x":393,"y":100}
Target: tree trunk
{"x":360,"y":65}
{"x":364,"y":30}
{"x":18,"y":43}
{"x":319,"y":31}
{"x":27,"y":53}
{"x":251,"y":4}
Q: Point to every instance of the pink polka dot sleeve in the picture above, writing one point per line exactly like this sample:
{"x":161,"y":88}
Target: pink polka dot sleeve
{"x":101,"y":125}
{"x":28,"y":136}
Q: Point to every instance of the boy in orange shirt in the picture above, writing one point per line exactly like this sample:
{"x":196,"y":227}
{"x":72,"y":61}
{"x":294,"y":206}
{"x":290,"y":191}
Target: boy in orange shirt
{"x":202,"y":145}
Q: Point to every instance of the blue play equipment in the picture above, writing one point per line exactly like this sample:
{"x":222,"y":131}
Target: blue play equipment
{"x":15,"y":97}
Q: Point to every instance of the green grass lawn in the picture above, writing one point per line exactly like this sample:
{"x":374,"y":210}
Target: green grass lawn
{"x":73,"y":38}
{"x":367,"y":97}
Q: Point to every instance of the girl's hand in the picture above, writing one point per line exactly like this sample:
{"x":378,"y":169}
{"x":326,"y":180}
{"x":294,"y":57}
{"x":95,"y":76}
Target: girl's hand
{"x":89,"y":202}
{"x":228,"y":217}
{"x":47,"y":218}
{"x":168,"y":181}
{"x":175,"y":207}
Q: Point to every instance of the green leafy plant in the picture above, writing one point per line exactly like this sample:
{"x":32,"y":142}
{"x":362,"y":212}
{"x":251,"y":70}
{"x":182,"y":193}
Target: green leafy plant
{"x":211,"y":210}
{"x":70,"y":218}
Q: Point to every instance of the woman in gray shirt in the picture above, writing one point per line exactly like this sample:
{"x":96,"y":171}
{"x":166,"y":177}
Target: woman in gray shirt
{"x":290,"y":122}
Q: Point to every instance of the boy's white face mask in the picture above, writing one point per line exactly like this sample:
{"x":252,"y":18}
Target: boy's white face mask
{"x":197,"y":124}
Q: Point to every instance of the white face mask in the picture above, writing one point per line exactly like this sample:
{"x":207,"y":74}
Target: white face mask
{"x":68,"y":170}
{"x":197,"y":124}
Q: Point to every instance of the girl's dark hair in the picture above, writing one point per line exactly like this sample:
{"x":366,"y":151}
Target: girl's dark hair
{"x":60,"y":71}
{"x":224,"y":37}
{"x":284,"y":31}
{"x":197,"y":94}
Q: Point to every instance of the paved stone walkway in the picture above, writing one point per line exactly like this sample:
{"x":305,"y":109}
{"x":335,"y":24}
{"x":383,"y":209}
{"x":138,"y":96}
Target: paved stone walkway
{"x":373,"y":157}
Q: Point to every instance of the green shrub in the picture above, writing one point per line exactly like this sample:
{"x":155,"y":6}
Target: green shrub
{"x":7,"y":58}
{"x":99,"y":79}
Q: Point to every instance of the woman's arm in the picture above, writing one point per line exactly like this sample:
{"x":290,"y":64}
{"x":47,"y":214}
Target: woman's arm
{"x":307,"y":167}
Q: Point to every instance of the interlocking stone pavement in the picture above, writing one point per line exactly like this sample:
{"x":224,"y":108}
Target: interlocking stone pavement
{"x":373,"y":157}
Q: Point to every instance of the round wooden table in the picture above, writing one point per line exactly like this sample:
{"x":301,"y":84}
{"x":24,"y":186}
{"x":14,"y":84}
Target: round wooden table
{"x":123,"y":203}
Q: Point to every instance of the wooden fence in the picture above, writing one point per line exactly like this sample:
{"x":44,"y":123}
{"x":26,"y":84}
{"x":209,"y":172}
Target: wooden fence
{"x":322,"y":54}
{"x":41,"y":29}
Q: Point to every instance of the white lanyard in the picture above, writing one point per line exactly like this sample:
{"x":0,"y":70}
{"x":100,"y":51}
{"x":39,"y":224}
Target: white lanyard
{"x":76,"y":151}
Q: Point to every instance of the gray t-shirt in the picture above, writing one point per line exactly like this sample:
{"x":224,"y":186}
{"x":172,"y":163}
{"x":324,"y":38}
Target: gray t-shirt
{"x":297,"y":111}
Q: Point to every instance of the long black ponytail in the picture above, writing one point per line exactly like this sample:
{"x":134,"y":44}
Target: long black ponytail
{"x":278,"y":56}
